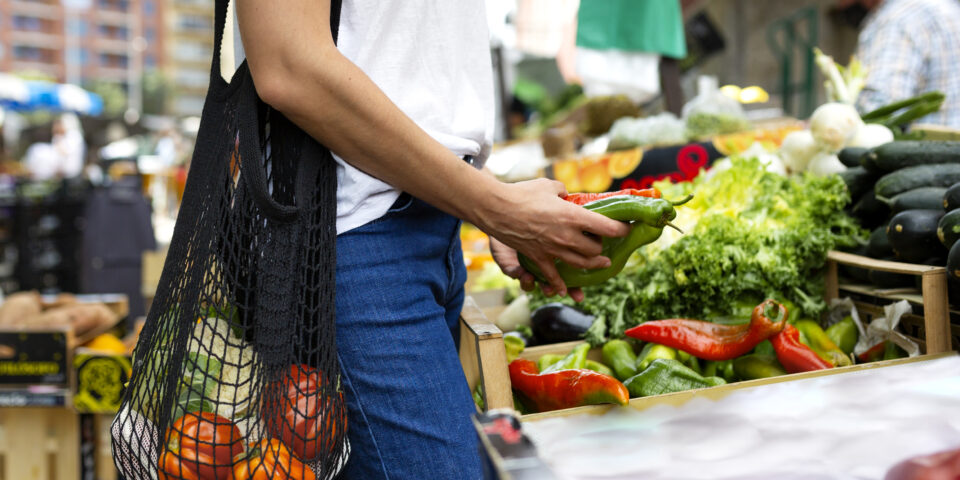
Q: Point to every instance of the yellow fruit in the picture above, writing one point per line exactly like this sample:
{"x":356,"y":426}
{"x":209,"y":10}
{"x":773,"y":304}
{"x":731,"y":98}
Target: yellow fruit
{"x":625,"y":162}
{"x":107,"y":343}
{"x":595,"y":177}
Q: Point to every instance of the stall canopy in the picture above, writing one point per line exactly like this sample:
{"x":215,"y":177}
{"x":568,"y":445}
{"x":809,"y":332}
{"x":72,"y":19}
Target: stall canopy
{"x":26,"y":95}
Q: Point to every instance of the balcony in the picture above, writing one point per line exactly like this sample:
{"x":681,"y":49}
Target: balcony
{"x":49,"y":11}
{"x":51,"y":40}
{"x":53,"y":69}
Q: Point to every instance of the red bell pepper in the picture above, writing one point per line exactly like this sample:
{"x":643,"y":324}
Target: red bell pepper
{"x":200,"y":445}
{"x":795,"y":356}
{"x":712,"y":341}
{"x":565,"y":388}
{"x":303,"y":416}
{"x":585,"y":198}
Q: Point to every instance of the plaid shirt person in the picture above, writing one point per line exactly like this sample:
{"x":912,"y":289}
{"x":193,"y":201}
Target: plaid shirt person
{"x":910,"y":47}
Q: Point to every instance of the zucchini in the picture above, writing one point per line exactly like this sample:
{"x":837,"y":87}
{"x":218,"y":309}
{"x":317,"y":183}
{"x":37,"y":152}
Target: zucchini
{"x":951,"y":198}
{"x":909,"y":153}
{"x":953,"y":274}
{"x":859,"y":180}
{"x":857,"y":273}
{"x":913,"y":235}
{"x":879,"y":246}
{"x":908,"y":178}
{"x":850,"y":156}
{"x":869,"y":211}
{"x":948,"y":230}
{"x":923,"y":198}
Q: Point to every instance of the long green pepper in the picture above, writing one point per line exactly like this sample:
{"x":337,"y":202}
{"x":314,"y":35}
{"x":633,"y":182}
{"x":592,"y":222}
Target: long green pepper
{"x":647,"y":217}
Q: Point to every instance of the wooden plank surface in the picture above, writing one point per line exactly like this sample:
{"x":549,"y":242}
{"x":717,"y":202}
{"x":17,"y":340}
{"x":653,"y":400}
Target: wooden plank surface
{"x":882,"y":265}
{"x":39,"y":444}
{"x":936,"y":312}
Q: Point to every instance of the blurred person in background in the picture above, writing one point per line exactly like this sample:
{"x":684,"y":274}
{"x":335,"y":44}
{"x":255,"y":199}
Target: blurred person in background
{"x":910,"y":47}
{"x":63,"y":157}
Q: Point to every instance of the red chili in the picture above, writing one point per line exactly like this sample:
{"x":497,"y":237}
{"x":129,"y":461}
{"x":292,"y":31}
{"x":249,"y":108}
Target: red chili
{"x":795,"y":356}
{"x":565,"y":388}
{"x":712,"y":341}
{"x":585,"y":198}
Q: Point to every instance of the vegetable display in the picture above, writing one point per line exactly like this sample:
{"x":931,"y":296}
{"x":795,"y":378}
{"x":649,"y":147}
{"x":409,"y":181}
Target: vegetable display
{"x":750,"y":234}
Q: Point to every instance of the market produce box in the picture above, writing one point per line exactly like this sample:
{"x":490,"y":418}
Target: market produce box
{"x":929,"y":325}
{"x":488,"y":364}
{"x":101,"y":378}
{"x":793,"y":426}
{"x":41,"y":356}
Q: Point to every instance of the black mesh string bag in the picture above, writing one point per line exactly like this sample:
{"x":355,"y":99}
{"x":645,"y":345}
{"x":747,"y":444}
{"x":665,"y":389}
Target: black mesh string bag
{"x":235,"y":375}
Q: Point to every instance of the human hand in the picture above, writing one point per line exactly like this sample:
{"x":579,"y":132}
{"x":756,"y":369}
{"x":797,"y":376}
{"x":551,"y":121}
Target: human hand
{"x":506,"y":259}
{"x":531,"y":217}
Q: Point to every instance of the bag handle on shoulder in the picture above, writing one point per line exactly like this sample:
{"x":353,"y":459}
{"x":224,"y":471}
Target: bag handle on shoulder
{"x":251,"y":172}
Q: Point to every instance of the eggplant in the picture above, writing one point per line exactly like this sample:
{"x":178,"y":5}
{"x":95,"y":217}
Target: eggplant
{"x":556,"y":323}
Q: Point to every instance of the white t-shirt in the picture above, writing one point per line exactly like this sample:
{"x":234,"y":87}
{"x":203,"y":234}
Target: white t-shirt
{"x":432,"y":59}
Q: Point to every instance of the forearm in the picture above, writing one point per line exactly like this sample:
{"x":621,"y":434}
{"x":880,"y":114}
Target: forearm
{"x":309,"y":81}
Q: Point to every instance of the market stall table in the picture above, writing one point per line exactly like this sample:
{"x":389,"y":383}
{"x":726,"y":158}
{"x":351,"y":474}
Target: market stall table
{"x":852,"y":424}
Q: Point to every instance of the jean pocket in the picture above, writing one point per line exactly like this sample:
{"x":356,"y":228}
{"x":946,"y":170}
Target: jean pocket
{"x":403,"y":202}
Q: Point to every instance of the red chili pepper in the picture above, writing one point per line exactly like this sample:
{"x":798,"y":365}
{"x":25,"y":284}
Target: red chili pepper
{"x":565,"y":388}
{"x":712,"y":341}
{"x":585,"y":198}
{"x":874,"y":353}
{"x":795,"y":356}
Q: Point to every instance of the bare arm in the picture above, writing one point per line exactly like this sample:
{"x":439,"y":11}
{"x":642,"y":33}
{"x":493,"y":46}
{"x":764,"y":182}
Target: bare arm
{"x":299,"y":71}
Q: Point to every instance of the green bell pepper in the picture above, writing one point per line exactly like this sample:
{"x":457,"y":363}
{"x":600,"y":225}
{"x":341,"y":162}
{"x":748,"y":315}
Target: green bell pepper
{"x":548,"y":359}
{"x":667,"y":376}
{"x":653,"y":351}
{"x":689,"y":360}
{"x":575,"y":360}
{"x":619,"y":355}
{"x":821,"y":344}
{"x":845,"y":334}
{"x":599,"y":368}
{"x":754,"y":366}
{"x":514,"y":346}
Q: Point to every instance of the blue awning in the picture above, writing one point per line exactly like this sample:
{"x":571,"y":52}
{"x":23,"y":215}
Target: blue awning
{"x":29,"y":95}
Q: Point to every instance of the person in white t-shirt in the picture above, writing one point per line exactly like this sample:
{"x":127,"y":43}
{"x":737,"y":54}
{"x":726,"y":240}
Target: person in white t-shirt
{"x":63,"y":156}
{"x":402,"y":99}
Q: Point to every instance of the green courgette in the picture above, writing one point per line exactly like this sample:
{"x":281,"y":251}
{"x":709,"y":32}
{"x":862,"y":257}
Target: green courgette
{"x":948,"y":229}
{"x":923,"y":198}
{"x":913,"y":235}
{"x":889,"y":279}
{"x":951,"y":198}
{"x":869,"y":211}
{"x":909,"y":153}
{"x":858,"y":180}
{"x":850,"y":156}
{"x":878,"y":246}
{"x":909,"y":178}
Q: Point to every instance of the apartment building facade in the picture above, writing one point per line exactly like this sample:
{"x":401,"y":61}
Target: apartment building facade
{"x":81,"y":41}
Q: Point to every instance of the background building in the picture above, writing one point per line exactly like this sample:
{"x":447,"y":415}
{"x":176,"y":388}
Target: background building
{"x":162,"y":47}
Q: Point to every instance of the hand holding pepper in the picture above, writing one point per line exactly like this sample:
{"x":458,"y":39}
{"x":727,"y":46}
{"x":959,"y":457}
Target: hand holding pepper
{"x":543,"y":224}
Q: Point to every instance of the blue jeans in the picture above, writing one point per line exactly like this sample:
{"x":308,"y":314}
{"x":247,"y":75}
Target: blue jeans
{"x":399,"y":294}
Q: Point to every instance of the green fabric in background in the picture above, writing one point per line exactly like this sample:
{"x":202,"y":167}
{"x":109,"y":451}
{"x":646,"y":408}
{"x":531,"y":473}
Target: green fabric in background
{"x":654,"y":26}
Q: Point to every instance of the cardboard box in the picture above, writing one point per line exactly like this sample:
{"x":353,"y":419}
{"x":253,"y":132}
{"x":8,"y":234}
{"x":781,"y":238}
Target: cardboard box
{"x":100,"y":381}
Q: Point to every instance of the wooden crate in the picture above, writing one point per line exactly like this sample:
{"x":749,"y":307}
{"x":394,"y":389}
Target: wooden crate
{"x":39,"y":444}
{"x":932,"y":330}
{"x":483,"y":356}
